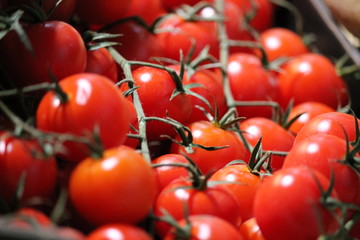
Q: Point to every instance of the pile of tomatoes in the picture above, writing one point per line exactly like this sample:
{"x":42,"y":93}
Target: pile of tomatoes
{"x":171,"y":119}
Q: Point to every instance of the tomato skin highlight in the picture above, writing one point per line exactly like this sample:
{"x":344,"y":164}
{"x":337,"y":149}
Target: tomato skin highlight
{"x":119,"y":187}
{"x":113,"y":231}
{"x":88,"y":93}
{"x":55,"y":45}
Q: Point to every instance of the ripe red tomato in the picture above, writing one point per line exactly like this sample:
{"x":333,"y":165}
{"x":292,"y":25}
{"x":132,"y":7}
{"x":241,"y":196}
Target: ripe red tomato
{"x":262,"y":87}
{"x":101,"y":62}
{"x":24,"y":156}
{"x":206,"y":227}
{"x":333,"y":123}
{"x":118,"y":187}
{"x":155,"y":89}
{"x":312,"y":77}
{"x":324,"y":153}
{"x":281,"y":42}
{"x":250,"y":230}
{"x":22,"y":218}
{"x":118,"y":231}
{"x":295,"y":202}
{"x":100,"y":11}
{"x":55,"y":45}
{"x":173,"y":4}
{"x":308,"y":111}
{"x":141,"y":8}
{"x":244,"y":187}
{"x":283,"y":140}
{"x":207,"y":134}
{"x":87,"y":93}
{"x":132,"y":142}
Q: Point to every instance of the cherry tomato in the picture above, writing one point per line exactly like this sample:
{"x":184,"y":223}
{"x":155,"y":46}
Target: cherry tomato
{"x":324,"y":153}
{"x":207,"y":134}
{"x":26,"y":215}
{"x":141,"y":8}
{"x":312,"y":77}
{"x":58,"y":49}
{"x":87,"y":94}
{"x":308,"y":111}
{"x":262,"y":87}
{"x":250,"y":230}
{"x":206,"y":227}
{"x":172,"y":4}
{"x":132,"y":142}
{"x":25,"y":156}
{"x":101,"y":62}
{"x":283,"y":140}
{"x":118,"y":187}
{"x":117,"y":231}
{"x":100,"y":11}
{"x":295,"y":202}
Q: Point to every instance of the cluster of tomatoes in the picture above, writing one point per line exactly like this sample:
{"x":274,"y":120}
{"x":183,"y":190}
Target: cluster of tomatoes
{"x":170,"y":119}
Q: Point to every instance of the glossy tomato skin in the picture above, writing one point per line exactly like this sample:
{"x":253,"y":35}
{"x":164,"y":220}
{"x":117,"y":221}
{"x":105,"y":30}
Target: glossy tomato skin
{"x":17,"y":157}
{"x":244,"y":187}
{"x":119,"y":187}
{"x":333,"y":123}
{"x":308,"y":111}
{"x":250,"y":230}
{"x":113,"y":231}
{"x":324,"y":153}
{"x":87,"y":93}
{"x":215,"y":228}
{"x":281,"y":42}
{"x":155,"y":88}
{"x":141,"y":8}
{"x":101,"y":62}
{"x":207,"y":134}
{"x":283,"y":140}
{"x":295,"y":203}
{"x":100,"y":11}
{"x":262,"y":87}
{"x":55,"y":45}
{"x":312,"y":77}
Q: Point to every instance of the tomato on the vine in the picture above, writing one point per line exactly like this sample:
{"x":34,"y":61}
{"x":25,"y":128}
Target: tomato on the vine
{"x":101,"y":62}
{"x":118,"y":231}
{"x":250,"y":230}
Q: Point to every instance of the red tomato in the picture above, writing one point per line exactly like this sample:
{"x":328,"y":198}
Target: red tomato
{"x":25,"y":216}
{"x":312,"y":77}
{"x":206,"y":227}
{"x":283,"y":140}
{"x":132,"y":142}
{"x":207,"y":134}
{"x":333,"y":123}
{"x":100,"y":11}
{"x":19,"y":156}
{"x":58,"y":48}
{"x":262,"y":87}
{"x":244,"y":187}
{"x":295,"y":203}
{"x":101,"y":62}
{"x":308,"y":111}
{"x":118,"y":187}
{"x":324,"y":153}
{"x":250,"y":230}
{"x":172,"y":4}
{"x":155,"y":90}
{"x":281,"y":42}
{"x":117,"y":231}
{"x":166,"y":174}
{"x":141,"y":8}
{"x":88,"y":93}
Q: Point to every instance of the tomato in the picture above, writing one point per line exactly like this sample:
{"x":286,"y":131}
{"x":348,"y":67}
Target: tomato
{"x":118,"y":231}
{"x":281,"y":42}
{"x":87,"y":93}
{"x":289,"y":200}
{"x":100,"y":11}
{"x":118,"y":187}
{"x":283,"y":140}
{"x":173,"y":4}
{"x":166,"y":174}
{"x":24,"y":156}
{"x":23,"y":218}
{"x":58,"y":49}
{"x":250,"y":230}
{"x":244,"y":187}
{"x":175,"y":34}
{"x":206,"y":227}
{"x":101,"y":62}
{"x":132,"y":142}
{"x":324,"y":153}
{"x":308,"y":111}
{"x":155,"y":88}
{"x":312,"y":77}
{"x":141,"y":8}
{"x":333,"y":123}
{"x":207,"y":134}
{"x":262,"y":87}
